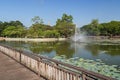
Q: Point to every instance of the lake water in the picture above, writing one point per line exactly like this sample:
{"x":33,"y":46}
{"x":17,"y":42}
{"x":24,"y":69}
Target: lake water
{"x":107,"y":52}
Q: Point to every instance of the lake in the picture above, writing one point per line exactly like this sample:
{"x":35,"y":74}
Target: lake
{"x":109,"y":53}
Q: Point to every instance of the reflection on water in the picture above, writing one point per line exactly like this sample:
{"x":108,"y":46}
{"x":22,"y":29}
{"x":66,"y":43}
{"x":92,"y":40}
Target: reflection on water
{"x":108,"y":53}
{"x":52,"y":48}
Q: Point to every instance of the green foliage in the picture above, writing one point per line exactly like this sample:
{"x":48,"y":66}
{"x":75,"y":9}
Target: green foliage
{"x":96,"y":66}
{"x":15,"y":23}
{"x":65,"y":29}
{"x":4,"y":25}
{"x":1,"y":27}
{"x":13,"y":31}
{"x":9,"y":31}
{"x":65,"y":26}
{"x":92,"y":28}
{"x":104,"y":29}
{"x":38,"y":30}
{"x":37,"y":20}
{"x":34,"y":31}
{"x":51,"y":34}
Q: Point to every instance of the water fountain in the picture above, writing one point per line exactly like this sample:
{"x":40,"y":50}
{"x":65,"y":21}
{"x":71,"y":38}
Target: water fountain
{"x":79,"y":36}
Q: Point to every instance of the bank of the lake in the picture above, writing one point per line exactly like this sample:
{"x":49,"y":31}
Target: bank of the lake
{"x":114,"y":39}
{"x":88,"y":39}
{"x":36,"y":39}
{"x":2,"y":38}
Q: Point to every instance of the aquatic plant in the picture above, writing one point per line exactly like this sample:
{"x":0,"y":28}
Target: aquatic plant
{"x":92,"y":65}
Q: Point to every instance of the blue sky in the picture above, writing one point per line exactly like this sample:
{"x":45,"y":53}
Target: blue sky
{"x":83,"y":11}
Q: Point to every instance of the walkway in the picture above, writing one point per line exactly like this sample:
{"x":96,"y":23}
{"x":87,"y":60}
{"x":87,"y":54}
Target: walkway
{"x":11,"y":70}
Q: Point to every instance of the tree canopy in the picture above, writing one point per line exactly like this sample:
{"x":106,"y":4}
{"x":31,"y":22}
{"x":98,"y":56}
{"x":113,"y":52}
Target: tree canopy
{"x":12,"y":28}
{"x":37,"y":19}
{"x":64,"y":27}
{"x":13,"y":31}
{"x":103,"y":29}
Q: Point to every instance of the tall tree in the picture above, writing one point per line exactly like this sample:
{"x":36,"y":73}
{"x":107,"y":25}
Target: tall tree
{"x":65,"y":26}
{"x":37,"y":20}
{"x":92,"y":28}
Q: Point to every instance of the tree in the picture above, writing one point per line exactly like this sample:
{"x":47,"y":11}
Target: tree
{"x":67,"y":18}
{"x":94,"y":23}
{"x":34,"y":31}
{"x":1,"y":27}
{"x":4,"y":25}
{"x":15,"y":23}
{"x":37,"y":30}
{"x":51,"y":34}
{"x":37,"y":20}
{"x":104,"y":29}
{"x":65,"y":26}
{"x":13,"y":31}
{"x":95,"y":27}
{"x":92,"y":28}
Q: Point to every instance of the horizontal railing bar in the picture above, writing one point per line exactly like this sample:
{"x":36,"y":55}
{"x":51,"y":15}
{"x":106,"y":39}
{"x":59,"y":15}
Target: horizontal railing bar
{"x":79,"y":69}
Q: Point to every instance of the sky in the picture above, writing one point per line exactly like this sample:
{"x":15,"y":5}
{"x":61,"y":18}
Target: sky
{"x":83,"y":11}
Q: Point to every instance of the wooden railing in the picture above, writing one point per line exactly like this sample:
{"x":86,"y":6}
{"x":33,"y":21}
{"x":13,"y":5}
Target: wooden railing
{"x":49,"y":68}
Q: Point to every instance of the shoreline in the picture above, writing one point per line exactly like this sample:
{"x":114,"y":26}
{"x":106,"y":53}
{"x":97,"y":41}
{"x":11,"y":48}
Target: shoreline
{"x":35,"y":39}
{"x":88,"y":38}
{"x":115,"y":39}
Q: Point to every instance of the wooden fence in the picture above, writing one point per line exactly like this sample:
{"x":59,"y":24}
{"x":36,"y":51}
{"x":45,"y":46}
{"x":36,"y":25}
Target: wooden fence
{"x":51,"y":69}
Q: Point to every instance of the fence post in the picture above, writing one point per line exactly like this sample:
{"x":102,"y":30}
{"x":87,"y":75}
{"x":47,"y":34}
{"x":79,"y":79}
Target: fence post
{"x":38,"y":63}
{"x":83,"y":76}
{"x":20,"y":56}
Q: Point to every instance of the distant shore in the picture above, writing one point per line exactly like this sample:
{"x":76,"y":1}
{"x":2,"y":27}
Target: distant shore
{"x":88,"y":38}
{"x":35,"y":39}
{"x":114,"y":39}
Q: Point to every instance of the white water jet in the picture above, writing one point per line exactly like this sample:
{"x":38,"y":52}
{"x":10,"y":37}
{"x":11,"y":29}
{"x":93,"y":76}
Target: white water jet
{"x":79,"y":36}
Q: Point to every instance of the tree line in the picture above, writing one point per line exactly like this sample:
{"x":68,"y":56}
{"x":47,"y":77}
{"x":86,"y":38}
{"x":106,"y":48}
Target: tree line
{"x":95,"y":28}
{"x":64,"y":27}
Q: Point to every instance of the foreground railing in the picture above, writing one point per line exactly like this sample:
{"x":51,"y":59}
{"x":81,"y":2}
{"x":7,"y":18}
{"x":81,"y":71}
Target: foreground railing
{"x":49,"y":68}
